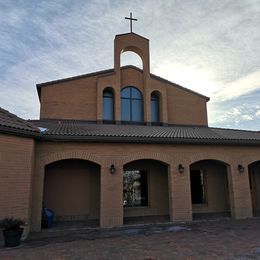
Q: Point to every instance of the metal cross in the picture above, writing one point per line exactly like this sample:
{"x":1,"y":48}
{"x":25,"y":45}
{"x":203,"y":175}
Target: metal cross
{"x":131,"y":20}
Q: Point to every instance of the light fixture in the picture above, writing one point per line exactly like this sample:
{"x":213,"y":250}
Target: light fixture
{"x":241,"y":168}
{"x":181,"y":168}
{"x":112,"y":169}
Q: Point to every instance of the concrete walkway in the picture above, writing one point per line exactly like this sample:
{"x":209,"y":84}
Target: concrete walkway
{"x":218,"y":239}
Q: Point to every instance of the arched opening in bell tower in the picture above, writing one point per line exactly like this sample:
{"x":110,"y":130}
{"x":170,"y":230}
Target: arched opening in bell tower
{"x":131,"y":58}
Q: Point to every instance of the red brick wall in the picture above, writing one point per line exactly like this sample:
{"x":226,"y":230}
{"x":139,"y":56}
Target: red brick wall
{"x":81,"y":181}
{"x":185,"y":107}
{"x":157,"y":182}
{"x":215,"y":187}
{"x":180,"y":207}
{"x":16,"y":164}
{"x":74,"y":99}
{"x":77,"y":99}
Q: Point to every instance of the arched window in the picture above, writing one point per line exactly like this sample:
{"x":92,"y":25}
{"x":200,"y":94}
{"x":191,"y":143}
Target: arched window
{"x":155,"y":108}
{"x":108,"y":105}
{"x":131,"y":105}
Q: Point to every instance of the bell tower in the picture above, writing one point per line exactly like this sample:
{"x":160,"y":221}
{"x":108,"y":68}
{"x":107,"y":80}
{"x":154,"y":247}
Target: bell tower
{"x":135,"y":43}
{"x":139,"y":45}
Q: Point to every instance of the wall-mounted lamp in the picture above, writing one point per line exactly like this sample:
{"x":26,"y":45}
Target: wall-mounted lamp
{"x":241,"y":168}
{"x":112,"y":169}
{"x":181,"y":168}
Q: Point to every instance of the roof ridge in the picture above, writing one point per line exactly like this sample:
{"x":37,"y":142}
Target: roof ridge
{"x":39,"y":85}
{"x":123,"y":34}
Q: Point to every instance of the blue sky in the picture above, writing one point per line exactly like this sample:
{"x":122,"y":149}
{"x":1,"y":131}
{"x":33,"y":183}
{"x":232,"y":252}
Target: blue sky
{"x":209,"y":46}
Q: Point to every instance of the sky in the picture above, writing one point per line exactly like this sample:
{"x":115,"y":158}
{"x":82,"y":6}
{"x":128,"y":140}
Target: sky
{"x":209,"y":46}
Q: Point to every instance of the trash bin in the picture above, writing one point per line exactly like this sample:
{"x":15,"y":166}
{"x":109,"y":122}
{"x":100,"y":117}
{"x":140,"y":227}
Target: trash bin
{"x":47,"y":217}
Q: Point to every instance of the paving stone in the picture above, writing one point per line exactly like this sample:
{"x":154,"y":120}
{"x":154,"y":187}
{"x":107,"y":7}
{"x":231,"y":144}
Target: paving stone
{"x":221,"y":239}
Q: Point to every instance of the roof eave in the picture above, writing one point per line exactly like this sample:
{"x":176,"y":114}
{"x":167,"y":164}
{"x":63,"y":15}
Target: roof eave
{"x":149,"y":140}
{"x":108,"y":71}
{"x":19,"y":132}
{"x":91,"y":74}
{"x":131,"y":33}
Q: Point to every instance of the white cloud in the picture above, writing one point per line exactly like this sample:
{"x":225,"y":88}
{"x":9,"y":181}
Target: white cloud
{"x":210,"y":47}
{"x":257,"y":114}
{"x":246,"y":117}
{"x":243,"y":116}
{"x":239,"y":87}
{"x":235,"y":111}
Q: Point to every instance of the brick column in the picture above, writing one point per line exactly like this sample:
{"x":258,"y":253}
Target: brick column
{"x":117,"y":103}
{"x":111,"y":202}
{"x":37,"y":194}
{"x":239,"y":192}
{"x":179,"y":194}
{"x":163,"y":108}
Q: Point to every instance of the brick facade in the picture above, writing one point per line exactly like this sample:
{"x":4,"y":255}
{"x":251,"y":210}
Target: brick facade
{"x":34,"y":166}
{"x":16,"y":170}
{"x":180,"y":208}
{"x":70,"y":99}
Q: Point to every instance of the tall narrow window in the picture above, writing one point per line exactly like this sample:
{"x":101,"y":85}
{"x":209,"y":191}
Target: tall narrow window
{"x":131,"y":105}
{"x":108,"y":105}
{"x":197,"y":187}
{"x":155,"y":114}
{"x":135,"y":188}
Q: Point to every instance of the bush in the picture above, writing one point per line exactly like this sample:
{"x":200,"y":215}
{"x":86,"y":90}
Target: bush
{"x":11,"y":223}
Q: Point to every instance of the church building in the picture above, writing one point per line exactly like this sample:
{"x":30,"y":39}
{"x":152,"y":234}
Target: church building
{"x":124,"y":146}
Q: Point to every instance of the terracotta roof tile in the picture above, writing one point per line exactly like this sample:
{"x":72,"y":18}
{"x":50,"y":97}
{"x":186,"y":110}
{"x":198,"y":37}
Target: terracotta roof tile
{"x":91,"y":131}
{"x":11,"y":122}
{"x":80,"y":130}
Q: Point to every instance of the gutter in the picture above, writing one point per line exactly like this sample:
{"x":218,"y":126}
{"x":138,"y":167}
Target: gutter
{"x":148,"y":140}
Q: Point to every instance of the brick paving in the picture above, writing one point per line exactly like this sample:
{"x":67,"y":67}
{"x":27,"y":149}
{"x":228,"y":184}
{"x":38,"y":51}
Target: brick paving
{"x":221,"y":239}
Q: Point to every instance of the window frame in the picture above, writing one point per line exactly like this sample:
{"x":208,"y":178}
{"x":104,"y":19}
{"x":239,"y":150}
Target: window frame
{"x":110,"y":98}
{"x":155,"y":97}
{"x":147,"y":188}
{"x":131,"y":99}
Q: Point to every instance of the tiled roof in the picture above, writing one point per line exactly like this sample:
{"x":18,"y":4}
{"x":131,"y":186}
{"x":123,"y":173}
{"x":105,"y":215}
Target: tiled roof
{"x":90,"y":131}
{"x":11,"y":123}
{"x":82,"y":130}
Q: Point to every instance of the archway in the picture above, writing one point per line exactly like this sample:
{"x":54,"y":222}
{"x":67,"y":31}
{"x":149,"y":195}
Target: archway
{"x":209,"y":189}
{"x":254,"y":178}
{"x":72,"y":191}
{"x":145,"y":192}
{"x":131,"y":58}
